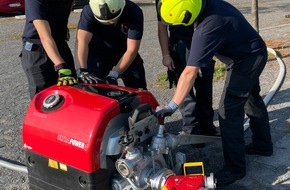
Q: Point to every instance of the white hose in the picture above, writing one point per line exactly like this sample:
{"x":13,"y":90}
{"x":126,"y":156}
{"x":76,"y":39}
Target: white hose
{"x":12,"y":166}
{"x":277,"y":84}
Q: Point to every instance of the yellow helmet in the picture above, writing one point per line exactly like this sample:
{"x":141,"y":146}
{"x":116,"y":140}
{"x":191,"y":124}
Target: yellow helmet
{"x":107,"y":11}
{"x":179,"y":12}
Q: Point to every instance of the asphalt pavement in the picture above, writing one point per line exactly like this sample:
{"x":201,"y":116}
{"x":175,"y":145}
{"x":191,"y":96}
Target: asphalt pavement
{"x":263,"y":173}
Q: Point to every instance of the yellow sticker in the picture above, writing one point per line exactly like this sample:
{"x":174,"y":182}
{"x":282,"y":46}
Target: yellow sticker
{"x":164,"y":188}
{"x":62,"y":167}
{"x":52,"y":163}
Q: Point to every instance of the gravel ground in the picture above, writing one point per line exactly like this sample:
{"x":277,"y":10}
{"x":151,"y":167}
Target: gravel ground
{"x":263,"y":173}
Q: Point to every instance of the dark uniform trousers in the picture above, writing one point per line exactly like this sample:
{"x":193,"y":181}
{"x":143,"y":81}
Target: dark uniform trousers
{"x":196,"y":109}
{"x":39,"y":69}
{"x":241,"y":96}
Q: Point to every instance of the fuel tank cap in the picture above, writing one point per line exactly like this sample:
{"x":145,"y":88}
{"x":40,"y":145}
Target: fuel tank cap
{"x":51,"y":101}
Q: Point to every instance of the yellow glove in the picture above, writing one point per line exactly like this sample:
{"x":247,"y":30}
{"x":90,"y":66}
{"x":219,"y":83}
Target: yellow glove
{"x":65,"y":77}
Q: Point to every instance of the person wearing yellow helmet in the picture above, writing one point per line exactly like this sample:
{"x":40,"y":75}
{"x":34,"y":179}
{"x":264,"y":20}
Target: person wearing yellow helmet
{"x":196,"y":110}
{"x":108,"y":40}
{"x":221,"y":30}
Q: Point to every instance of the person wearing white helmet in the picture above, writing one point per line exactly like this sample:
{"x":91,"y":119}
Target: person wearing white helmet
{"x":108,"y":40}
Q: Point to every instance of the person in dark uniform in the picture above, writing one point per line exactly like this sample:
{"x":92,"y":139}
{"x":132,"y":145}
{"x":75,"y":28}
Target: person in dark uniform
{"x":222,"y":31}
{"x":46,"y":57}
{"x":196,"y":109}
{"x":108,"y":40}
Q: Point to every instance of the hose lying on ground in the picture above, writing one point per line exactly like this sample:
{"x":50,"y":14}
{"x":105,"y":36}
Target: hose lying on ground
{"x":13,"y":165}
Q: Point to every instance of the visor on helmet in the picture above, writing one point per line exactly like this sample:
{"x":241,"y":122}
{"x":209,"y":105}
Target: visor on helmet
{"x":107,"y":11}
{"x":106,"y":15}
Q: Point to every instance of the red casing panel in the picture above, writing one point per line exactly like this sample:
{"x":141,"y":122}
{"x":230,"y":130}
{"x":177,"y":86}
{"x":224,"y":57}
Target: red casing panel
{"x":72,"y":134}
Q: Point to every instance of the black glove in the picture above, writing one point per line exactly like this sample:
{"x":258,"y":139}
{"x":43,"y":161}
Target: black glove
{"x":112,"y":77}
{"x":64,"y":76}
{"x":166,"y":110}
{"x":88,"y":78}
{"x":163,"y":111}
{"x":172,"y":78}
{"x":111,"y":80}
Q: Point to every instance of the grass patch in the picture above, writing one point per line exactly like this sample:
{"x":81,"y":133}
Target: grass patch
{"x":162,"y":80}
{"x":72,"y":26}
{"x":219,"y":71}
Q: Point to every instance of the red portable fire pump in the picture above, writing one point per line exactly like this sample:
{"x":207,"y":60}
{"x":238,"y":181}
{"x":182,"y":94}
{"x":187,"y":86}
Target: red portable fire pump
{"x":104,"y":137}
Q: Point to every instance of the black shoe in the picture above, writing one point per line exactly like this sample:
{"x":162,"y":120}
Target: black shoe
{"x":225,"y":177}
{"x":251,"y":149}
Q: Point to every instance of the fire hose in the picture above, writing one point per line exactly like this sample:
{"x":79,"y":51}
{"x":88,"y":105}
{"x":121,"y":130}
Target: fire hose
{"x":13,"y":165}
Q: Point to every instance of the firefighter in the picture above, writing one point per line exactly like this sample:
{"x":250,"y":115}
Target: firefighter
{"x":196,"y":109}
{"x":46,"y":57}
{"x":221,"y":30}
{"x":108,"y":40}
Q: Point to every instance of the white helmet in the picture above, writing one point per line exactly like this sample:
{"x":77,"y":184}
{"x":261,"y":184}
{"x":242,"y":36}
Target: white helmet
{"x":107,"y":11}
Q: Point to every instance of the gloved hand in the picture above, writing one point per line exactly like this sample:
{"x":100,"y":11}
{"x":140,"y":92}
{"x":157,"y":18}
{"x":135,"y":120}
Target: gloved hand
{"x":166,"y":110}
{"x":86,"y":77}
{"x":172,"y":78}
{"x":65,"y":76}
{"x":174,"y":70}
{"x":112,"y":77}
{"x":163,"y":111}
